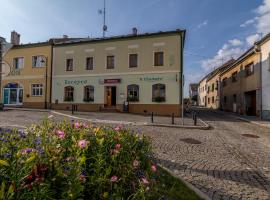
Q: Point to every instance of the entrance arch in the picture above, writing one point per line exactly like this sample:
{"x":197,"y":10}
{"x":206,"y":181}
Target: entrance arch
{"x":13,"y":94}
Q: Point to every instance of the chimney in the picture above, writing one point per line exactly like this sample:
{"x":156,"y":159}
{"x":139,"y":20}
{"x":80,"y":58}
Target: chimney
{"x":15,"y":38}
{"x":135,"y":31}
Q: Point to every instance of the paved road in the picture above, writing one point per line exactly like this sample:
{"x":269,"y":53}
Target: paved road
{"x":221,"y":162}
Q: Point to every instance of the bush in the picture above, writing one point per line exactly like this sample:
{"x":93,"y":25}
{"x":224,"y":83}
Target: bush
{"x":75,"y":161}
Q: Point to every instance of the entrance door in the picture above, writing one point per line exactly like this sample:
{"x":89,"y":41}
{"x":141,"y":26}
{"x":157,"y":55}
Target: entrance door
{"x":111,"y":96}
{"x":250,"y":99}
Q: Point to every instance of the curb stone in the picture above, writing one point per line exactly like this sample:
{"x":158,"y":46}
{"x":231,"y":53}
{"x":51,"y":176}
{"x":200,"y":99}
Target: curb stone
{"x":190,"y":186}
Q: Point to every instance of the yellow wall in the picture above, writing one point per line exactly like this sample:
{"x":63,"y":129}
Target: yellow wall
{"x":29,"y":75}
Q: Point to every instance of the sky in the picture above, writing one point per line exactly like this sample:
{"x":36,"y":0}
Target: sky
{"x":217,"y":30}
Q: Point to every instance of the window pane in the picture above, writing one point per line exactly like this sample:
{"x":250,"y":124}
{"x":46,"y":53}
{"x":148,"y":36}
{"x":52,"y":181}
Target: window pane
{"x":133,"y":60}
{"x":110,"y":62}
{"x":158,"y":58}
{"x":89,"y":63}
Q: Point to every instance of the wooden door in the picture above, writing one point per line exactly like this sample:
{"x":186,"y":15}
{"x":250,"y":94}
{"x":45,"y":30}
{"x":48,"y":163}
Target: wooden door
{"x":109,"y":96}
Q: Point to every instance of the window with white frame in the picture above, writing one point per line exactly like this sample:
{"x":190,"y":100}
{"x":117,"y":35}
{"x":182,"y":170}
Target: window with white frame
{"x":38,"y":61}
{"x":18,"y":63}
{"x":69,"y":64}
{"x":37,"y":89}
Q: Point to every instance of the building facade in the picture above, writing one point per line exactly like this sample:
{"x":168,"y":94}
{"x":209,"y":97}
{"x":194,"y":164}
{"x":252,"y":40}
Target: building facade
{"x":264,"y":48}
{"x":26,"y":75}
{"x":202,"y":92}
{"x":193,"y":93}
{"x":97,"y":74}
{"x":240,"y":85}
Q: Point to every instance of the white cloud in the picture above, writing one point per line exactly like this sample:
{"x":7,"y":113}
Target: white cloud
{"x":203,"y":24}
{"x":248,"y":22}
{"x":265,"y":8}
{"x":235,"y":42}
{"x":231,"y":49}
{"x":252,"y":39}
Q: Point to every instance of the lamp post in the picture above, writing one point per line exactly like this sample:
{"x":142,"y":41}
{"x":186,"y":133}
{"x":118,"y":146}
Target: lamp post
{"x":2,"y":42}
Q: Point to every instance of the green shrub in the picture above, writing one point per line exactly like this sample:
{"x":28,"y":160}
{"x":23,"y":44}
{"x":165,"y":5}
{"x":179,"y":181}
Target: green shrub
{"x":75,"y":161}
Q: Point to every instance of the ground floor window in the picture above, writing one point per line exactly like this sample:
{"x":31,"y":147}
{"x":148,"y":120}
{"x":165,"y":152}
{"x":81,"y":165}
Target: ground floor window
{"x":37,"y":89}
{"x":69,"y":93}
{"x":133,"y":93}
{"x":213,"y":99}
{"x":158,"y":92}
{"x":88,"y":93}
{"x":13,"y":94}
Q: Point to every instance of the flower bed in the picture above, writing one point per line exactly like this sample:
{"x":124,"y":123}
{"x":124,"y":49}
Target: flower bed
{"x":75,"y":161}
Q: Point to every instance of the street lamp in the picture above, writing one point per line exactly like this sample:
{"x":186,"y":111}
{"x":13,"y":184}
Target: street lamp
{"x":2,"y":43}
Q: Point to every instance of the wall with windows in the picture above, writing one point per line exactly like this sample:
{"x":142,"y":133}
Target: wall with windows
{"x":202,"y":92}
{"x":237,"y":81}
{"x":213,"y":91}
{"x":26,"y":65}
{"x":265,"y":50}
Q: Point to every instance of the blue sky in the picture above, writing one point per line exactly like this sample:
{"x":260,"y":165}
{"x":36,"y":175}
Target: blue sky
{"x":216,"y":29}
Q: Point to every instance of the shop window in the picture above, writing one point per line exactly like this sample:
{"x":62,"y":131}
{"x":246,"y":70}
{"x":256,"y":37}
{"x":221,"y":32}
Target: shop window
{"x":38,"y":61}
{"x":18,"y":63}
{"x":158,"y":59}
{"x":234,"y":77}
{"x":89,"y":63}
{"x":69,"y":64}
{"x":133,"y":93}
{"x":69,"y":93}
{"x":37,"y":89}
{"x":89,"y":93}
{"x":158,"y":93}
{"x":110,"y":62}
{"x":249,"y":69}
{"x":133,"y":60}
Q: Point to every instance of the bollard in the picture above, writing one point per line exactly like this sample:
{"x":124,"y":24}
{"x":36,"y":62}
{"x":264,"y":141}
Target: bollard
{"x":195,"y":119}
{"x":152,"y":117}
{"x":173,"y":118}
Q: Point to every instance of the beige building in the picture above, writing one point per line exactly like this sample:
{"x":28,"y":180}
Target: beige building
{"x":202,"y":92}
{"x":241,"y":83}
{"x":98,"y":74}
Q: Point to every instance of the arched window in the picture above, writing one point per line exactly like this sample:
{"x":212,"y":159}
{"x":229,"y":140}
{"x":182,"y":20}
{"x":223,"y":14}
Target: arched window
{"x":69,"y":93}
{"x":158,"y":92}
{"x":88,"y":93}
{"x":133,"y":93}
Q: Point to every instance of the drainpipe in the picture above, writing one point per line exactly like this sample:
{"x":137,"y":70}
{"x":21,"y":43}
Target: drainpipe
{"x":261,"y":89}
{"x":52,"y":44}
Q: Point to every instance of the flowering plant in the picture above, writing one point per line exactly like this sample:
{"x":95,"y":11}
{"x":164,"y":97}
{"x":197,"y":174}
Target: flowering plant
{"x":75,"y":161}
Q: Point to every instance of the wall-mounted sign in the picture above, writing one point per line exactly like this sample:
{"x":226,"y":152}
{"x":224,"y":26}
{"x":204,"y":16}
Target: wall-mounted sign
{"x":112,"y":81}
{"x":151,"y":78}
{"x":75,"y":82}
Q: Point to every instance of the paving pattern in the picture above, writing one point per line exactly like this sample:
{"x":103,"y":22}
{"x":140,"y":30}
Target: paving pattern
{"x":221,"y":162}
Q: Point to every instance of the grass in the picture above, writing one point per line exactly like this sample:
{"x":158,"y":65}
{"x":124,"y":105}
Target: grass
{"x":172,"y":188}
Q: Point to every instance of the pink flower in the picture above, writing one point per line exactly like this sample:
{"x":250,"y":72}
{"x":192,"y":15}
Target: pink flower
{"x":118,"y":147}
{"x":61,"y":134}
{"x":153,"y":168}
{"x":83,"y":143}
{"x":145,"y":181}
{"x":85,"y":125}
{"x":114,"y":179}
{"x":119,"y":128}
{"x":77,"y":125}
{"x":136,"y":163}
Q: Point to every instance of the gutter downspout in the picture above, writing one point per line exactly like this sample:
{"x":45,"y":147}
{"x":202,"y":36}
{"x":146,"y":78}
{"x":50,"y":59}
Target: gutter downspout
{"x":51,"y":74}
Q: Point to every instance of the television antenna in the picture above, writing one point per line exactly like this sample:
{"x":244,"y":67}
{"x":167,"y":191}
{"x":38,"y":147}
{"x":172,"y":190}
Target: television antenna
{"x":103,"y":12}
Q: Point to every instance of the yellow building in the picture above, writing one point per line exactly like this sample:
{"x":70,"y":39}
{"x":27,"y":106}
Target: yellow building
{"x":97,"y":74}
{"x":27,"y":75}
{"x":241,"y":85}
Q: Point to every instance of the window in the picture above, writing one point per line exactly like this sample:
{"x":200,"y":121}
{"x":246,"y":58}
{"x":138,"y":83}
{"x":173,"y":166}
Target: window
{"x":158,"y":93}
{"x":110,"y":62}
{"x":158,"y":59}
{"x":133,"y":60}
{"x":69,"y":93}
{"x":69,"y":64}
{"x":234,"y":98}
{"x":88,"y":93}
{"x":213,"y":87}
{"x":18,"y":63}
{"x":208,"y":100}
{"x":225,"y":100}
{"x":89,"y":63}
{"x":224,"y":82}
{"x":38,"y":61}
{"x":208,"y":90}
{"x":37,"y":89}
{"x":213,"y":99}
{"x":133,"y":93}
{"x":234,"y":77}
{"x":216,"y":85}
{"x":249,"y":69}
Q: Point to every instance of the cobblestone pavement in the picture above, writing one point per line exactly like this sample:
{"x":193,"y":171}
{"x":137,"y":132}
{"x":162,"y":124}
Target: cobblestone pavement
{"x":221,"y":162}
